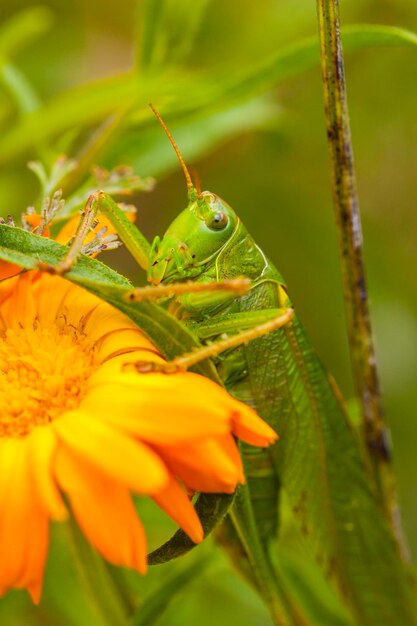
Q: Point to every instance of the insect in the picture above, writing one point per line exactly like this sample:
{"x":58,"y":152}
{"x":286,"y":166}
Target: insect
{"x":318,"y":460}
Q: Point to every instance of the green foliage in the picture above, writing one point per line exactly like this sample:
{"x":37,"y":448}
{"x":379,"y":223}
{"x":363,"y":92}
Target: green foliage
{"x":206,"y":103}
{"x":22,"y":29}
{"x":212,"y":90}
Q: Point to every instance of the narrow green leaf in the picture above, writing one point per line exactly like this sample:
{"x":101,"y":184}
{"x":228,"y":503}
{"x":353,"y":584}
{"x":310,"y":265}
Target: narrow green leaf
{"x":97,"y":581}
{"x":148,"y":150}
{"x":148,"y":24}
{"x":154,"y":605}
{"x":20,"y":89}
{"x":82,"y":105}
{"x":365,"y":35}
{"x":211,"y":509}
{"x":92,"y":103}
{"x":22,"y":28}
{"x":28,"y":250}
{"x":169,"y":28}
{"x":311,"y":592}
{"x":234,"y":86}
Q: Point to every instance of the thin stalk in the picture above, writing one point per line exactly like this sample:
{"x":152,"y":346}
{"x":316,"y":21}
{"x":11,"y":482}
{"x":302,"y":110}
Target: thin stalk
{"x":155,"y":604}
{"x":282,"y":609}
{"x":346,"y":203}
{"x":108,"y":599}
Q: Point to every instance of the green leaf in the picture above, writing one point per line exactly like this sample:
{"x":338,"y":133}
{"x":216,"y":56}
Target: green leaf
{"x":82,"y":105}
{"x":366,"y":35}
{"x":234,"y":86}
{"x":92,"y":103}
{"x":211,"y":509}
{"x":149,"y":151}
{"x":169,"y":28}
{"x":311,"y":592}
{"x":21,"y":90}
{"x":155,"y":603}
{"x":22,"y":28}
{"x":96,"y":579}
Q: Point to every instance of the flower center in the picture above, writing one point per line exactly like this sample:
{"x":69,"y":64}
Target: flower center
{"x":44,"y":371}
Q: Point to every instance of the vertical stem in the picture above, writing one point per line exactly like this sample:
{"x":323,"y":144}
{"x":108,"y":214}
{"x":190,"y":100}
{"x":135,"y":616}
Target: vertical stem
{"x":108,"y":599}
{"x":345,"y":198}
{"x":283,"y":611}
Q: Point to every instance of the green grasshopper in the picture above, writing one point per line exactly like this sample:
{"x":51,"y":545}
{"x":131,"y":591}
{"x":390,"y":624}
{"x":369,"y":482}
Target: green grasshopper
{"x":318,"y":460}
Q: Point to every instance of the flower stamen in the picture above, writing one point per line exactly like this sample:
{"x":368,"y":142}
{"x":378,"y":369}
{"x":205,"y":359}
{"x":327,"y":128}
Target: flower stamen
{"x":44,"y":371}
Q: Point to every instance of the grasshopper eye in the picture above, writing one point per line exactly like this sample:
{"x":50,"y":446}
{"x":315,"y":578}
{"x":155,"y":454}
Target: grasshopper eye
{"x":217,"y":221}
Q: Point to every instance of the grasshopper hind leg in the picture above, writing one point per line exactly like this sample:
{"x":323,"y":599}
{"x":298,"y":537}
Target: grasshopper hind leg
{"x":257,"y":324}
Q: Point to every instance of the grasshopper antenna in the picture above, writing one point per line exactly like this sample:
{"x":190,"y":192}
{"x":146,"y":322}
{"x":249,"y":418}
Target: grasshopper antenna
{"x":197,"y":182}
{"x":190,"y":184}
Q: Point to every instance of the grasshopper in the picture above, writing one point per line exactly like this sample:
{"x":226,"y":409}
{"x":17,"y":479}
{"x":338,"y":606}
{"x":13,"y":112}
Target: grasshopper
{"x":264,"y":358}
{"x":318,"y":460}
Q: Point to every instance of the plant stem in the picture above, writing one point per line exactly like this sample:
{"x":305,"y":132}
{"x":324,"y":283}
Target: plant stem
{"x":108,"y":600}
{"x":345,"y":198}
{"x":155,"y":603}
{"x":268,"y":581}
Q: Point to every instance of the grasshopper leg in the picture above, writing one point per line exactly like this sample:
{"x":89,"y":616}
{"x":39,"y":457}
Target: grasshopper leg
{"x":87,"y":222}
{"x":280,"y":318}
{"x":100,"y":202}
{"x":239,"y":286}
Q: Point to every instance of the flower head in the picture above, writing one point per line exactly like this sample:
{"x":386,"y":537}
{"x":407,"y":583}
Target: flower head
{"x":75,"y":421}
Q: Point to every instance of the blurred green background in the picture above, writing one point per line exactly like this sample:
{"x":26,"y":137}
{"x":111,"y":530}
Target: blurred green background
{"x":265,"y":153}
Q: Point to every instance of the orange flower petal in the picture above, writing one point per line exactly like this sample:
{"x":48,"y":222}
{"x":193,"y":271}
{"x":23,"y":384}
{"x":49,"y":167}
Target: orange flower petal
{"x":250,"y":428}
{"x":174,"y":402}
{"x":23,"y":524}
{"x":103,"y":320}
{"x":175,"y":502}
{"x":221,"y":413}
{"x":118,"y":456}
{"x":50,"y":296}
{"x":41,"y":445}
{"x":104,"y":511}
{"x":7,"y":270}
{"x":209,"y":465}
{"x":22,"y":300}
{"x":122,"y":341}
{"x":34,"y":219}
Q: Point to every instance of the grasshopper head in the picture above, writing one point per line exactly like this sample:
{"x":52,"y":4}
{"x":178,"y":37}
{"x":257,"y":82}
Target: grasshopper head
{"x":193,"y":240}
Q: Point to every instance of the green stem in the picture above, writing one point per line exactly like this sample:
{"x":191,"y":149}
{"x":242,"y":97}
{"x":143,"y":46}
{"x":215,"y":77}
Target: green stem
{"x":155,"y":604}
{"x":108,"y":600}
{"x":346,"y":203}
{"x":272,"y":589}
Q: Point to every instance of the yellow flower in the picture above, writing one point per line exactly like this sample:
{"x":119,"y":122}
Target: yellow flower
{"x":75,"y":421}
